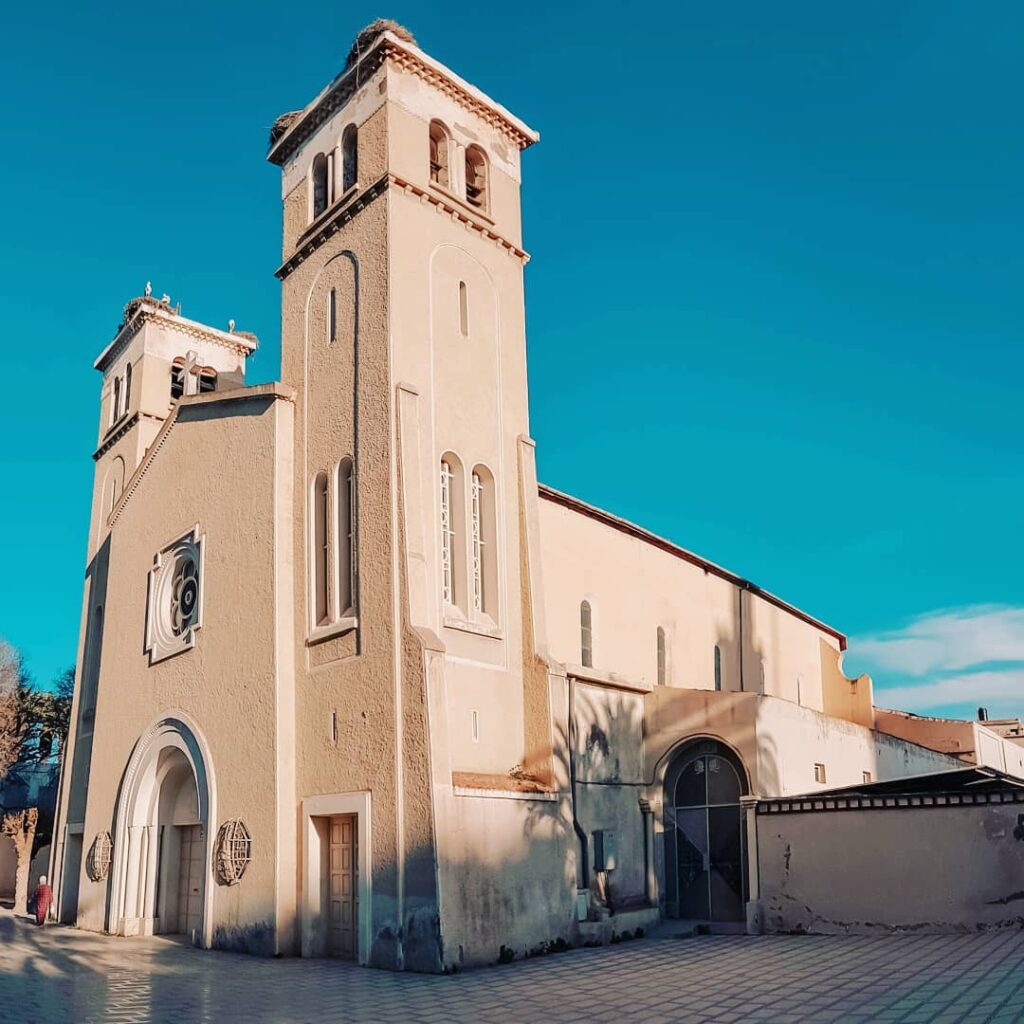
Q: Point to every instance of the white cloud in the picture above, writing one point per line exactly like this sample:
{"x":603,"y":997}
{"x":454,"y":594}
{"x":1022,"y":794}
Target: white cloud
{"x":945,"y":641}
{"x":1005,"y":689}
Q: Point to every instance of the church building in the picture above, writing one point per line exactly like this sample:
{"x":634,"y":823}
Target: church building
{"x":351,"y":682}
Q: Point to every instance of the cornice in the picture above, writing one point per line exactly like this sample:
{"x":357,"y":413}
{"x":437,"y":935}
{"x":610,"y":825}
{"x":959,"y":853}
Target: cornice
{"x":482,"y":225}
{"x":514,"y":130}
{"x":239,"y":343}
{"x":334,"y":220}
{"x":114,"y":434}
{"x":410,"y":59}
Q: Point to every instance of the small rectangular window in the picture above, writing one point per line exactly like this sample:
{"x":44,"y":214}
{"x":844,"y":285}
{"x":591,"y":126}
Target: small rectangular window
{"x":867,"y":777}
{"x":819,"y":772}
{"x":332,"y":316}
{"x":475,"y":726}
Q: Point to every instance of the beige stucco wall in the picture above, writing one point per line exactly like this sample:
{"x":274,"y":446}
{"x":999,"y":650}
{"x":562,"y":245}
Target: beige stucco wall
{"x":634,"y":587}
{"x":930,"y":868}
{"x":227,"y":683}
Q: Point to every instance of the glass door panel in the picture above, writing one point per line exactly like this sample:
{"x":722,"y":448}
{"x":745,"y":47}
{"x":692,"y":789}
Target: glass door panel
{"x":692,"y":860}
{"x":726,"y":863}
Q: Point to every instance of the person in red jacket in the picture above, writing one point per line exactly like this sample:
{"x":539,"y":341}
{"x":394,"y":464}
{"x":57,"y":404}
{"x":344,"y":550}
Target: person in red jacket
{"x":43,"y":898}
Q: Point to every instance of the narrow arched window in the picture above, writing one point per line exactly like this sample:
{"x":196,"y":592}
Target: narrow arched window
{"x":346,"y":518}
{"x":332,"y":315}
{"x":178,"y":378}
{"x":485,"y":564}
{"x":349,"y":158}
{"x":476,"y":177}
{"x":127,"y":387}
{"x":463,"y":309}
{"x":320,"y":553}
{"x":662,"y":666}
{"x":116,"y":410}
{"x":207,"y":380}
{"x":453,"y":533}
{"x":321,"y":184}
{"x":439,"y":146}
{"x":718,"y":667}
{"x":586,"y":635}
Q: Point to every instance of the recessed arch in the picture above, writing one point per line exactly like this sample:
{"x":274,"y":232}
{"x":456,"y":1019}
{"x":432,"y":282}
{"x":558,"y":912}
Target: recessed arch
{"x":167,"y":800}
{"x":705,"y":831}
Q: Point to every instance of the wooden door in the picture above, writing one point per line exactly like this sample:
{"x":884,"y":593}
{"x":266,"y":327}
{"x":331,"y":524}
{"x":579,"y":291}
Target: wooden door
{"x":190,"y":879}
{"x":342,"y":903}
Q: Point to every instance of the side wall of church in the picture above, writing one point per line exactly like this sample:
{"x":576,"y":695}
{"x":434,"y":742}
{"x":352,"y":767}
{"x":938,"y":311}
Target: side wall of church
{"x":634,"y":587}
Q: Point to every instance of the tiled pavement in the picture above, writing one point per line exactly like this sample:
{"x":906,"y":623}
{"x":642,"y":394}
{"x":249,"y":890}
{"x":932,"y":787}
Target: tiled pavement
{"x":54,"y":975}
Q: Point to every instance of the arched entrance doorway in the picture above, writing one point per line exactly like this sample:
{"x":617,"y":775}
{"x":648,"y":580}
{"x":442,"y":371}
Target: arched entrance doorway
{"x":705,"y":834}
{"x":161,"y":877}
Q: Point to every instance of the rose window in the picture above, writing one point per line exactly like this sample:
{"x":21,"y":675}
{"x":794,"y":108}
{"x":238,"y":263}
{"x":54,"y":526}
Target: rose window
{"x":175,"y":597}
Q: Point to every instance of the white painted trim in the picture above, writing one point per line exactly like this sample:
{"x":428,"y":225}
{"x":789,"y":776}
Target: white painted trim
{"x":178,"y":730}
{"x":326,"y":806}
{"x":505,"y":794}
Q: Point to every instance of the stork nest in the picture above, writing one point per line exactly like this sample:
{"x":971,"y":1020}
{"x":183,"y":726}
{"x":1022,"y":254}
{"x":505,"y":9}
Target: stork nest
{"x":370,"y":35}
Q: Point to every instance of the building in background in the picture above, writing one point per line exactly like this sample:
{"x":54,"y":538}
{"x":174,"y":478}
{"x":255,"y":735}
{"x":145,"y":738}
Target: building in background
{"x":350,"y":681}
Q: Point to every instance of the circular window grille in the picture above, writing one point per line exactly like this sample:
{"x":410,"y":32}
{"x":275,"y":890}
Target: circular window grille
{"x":179,"y":594}
{"x":99,"y":856}
{"x":234,"y":851}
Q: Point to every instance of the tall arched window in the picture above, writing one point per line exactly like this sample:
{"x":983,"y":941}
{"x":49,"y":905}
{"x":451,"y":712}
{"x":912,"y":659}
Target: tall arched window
{"x":586,"y":635}
{"x":453,"y":536}
{"x":345,"y":505}
{"x":349,"y":158}
{"x":718,"y":667}
{"x":485,"y":561}
{"x":115,"y":412}
{"x":321,"y":184}
{"x":439,"y":146}
{"x":476,"y":177}
{"x":320,"y":553}
{"x":127,"y":387}
{"x":463,"y":309}
{"x":662,"y":665}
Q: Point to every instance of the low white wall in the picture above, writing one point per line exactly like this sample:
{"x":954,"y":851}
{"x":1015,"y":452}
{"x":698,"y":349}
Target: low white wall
{"x":936,"y":869}
{"x":506,"y":867}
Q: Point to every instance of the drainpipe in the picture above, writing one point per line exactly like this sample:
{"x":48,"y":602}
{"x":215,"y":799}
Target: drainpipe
{"x":742,"y":587}
{"x":577,"y":828}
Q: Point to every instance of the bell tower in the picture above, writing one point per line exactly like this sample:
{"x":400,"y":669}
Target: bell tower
{"x":403,"y":333}
{"x":156,"y":357}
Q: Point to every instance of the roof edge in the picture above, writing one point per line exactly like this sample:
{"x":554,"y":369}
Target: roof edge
{"x":290,"y":139}
{"x":625,"y":526}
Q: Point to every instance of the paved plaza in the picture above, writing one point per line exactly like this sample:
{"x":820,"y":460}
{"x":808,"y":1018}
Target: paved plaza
{"x":55,"y":975}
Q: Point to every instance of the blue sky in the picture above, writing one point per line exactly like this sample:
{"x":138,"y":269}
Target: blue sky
{"x":774,"y":307}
